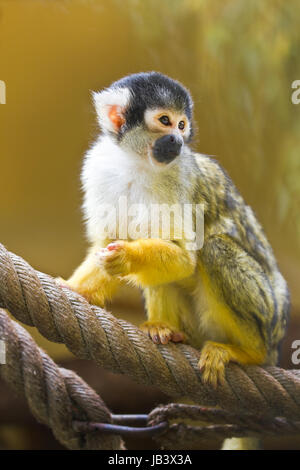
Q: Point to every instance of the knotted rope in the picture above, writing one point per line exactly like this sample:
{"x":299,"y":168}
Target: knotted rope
{"x":92,"y":333}
{"x":215,"y":424}
{"x":57,"y":397}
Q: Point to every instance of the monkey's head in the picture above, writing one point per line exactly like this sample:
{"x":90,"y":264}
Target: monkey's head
{"x":147,"y":114}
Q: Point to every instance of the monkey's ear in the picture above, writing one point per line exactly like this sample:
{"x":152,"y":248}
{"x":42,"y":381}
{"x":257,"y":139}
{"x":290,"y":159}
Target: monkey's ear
{"x":110,"y":106}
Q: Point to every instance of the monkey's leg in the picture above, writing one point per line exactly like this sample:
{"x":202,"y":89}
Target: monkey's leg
{"x":241,"y":304}
{"x":92,"y":281}
{"x":167,"y":307}
{"x":149,"y":262}
{"x":214,"y":357}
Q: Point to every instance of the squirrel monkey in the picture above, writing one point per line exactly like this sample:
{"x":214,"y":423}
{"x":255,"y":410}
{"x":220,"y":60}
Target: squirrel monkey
{"x":227,"y":298}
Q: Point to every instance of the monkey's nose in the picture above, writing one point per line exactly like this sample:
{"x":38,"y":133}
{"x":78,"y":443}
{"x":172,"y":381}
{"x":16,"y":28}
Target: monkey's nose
{"x":167,"y":148}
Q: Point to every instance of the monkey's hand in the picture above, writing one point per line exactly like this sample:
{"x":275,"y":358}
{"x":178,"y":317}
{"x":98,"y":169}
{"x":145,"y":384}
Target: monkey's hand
{"x":115,"y":258}
{"x":162,"y":333}
{"x":150,"y":261}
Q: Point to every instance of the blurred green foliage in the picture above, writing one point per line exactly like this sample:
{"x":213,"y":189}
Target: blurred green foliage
{"x":242,"y":58}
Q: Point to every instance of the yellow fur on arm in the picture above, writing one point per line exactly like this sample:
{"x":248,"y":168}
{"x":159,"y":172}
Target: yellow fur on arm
{"x":156,"y":261}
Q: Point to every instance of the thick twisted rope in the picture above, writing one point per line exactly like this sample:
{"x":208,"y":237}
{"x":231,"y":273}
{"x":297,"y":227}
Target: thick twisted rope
{"x":213,"y":423}
{"x":57,"y":397}
{"x":92,"y":333}
{"x":60,"y":399}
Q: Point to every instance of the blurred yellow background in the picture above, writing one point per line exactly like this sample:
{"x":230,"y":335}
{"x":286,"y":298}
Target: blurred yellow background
{"x":239,"y":60}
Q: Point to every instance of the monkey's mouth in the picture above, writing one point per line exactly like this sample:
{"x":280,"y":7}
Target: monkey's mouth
{"x":153,"y":161}
{"x":161,"y":159}
{"x":166,"y":148}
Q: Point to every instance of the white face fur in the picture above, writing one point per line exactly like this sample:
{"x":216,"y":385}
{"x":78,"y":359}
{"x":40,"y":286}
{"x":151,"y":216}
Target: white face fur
{"x":111,"y":170}
{"x":111,"y":105}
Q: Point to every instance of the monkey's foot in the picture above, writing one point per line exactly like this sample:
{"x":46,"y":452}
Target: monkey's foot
{"x":115,"y":259}
{"x":63,"y":283}
{"x":212,"y":363}
{"x":94,"y":297}
{"x":162,"y":333}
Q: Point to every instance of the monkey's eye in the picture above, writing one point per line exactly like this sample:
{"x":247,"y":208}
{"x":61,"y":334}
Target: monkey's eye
{"x":165,"y":120}
{"x":181,"y":125}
